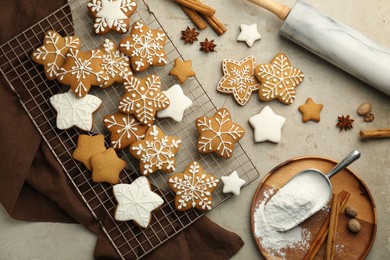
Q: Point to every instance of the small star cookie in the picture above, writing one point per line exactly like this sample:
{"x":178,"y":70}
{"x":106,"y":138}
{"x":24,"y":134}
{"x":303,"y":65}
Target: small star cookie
{"x":88,"y":146}
{"x":179,"y":103}
{"x":144,"y":46}
{"x":218,"y":133}
{"x":267,"y":125}
{"x":232,"y":183}
{"x":182,"y":70}
{"x":111,"y":15}
{"x":310,"y":111}
{"x":156,"y":151}
{"x":106,"y":166}
{"x":249,"y":34}
{"x":278,"y":80}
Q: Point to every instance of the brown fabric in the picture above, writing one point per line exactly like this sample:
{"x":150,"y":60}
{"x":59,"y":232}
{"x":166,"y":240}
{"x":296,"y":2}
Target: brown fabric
{"x":33,"y":186}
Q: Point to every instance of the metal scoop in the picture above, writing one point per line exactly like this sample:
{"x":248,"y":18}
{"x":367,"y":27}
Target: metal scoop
{"x":296,"y":201}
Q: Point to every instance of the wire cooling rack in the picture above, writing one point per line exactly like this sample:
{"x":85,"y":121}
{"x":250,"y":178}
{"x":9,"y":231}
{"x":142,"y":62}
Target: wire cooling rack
{"x":28,"y":81}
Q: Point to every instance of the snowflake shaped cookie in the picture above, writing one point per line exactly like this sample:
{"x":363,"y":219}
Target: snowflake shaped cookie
{"x":136,"y":202}
{"x":238,"y":79}
{"x":82,"y":70}
{"x":114,"y":63}
{"x":145,"y":47}
{"x":156,"y":151}
{"x":218,"y":133}
{"x":52,"y":53}
{"x":278,"y":80}
{"x":143,"y":98}
{"x":125,"y":129}
{"x":111,"y":15}
{"x":73,"y":111}
{"x":193,"y":188}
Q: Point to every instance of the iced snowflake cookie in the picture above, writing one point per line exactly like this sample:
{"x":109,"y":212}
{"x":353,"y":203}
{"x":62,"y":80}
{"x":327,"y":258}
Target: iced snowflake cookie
{"x":106,"y":166}
{"x":238,"y":79}
{"x":114,"y":63}
{"x":88,"y":146}
{"x":193,"y":188}
{"x":143,"y":98}
{"x":156,"y":151}
{"x":136,"y":202}
{"x":125,"y":129}
{"x":111,"y":15}
{"x":144,"y":46}
{"x":82,"y":70}
{"x":52,"y":53}
{"x":218,"y":133}
{"x":278,"y":80}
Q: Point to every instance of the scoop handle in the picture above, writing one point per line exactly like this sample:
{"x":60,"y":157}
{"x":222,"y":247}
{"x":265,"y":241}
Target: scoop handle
{"x":281,"y":11}
{"x":350,"y":158}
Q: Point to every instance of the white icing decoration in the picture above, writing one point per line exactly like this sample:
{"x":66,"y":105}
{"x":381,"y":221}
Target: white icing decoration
{"x":267,"y":125}
{"x":179,"y":103}
{"x":73,"y":111}
{"x":136,"y":202}
{"x":232,"y":183}
{"x":249,"y":34}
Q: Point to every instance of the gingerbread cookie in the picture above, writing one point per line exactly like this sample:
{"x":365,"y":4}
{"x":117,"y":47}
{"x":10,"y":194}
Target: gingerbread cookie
{"x":136,"y":202}
{"x":111,"y":15}
{"x":88,"y":146}
{"x":125,"y":129}
{"x":310,"y":111}
{"x":182,"y":70}
{"x":193,"y":188}
{"x":144,"y":46}
{"x":52,"y":53}
{"x":278,"y":80}
{"x":238,"y":79}
{"x":218,"y":133}
{"x":156,"y":151}
{"x":82,"y":70}
{"x":106,"y":166}
{"x":114,"y":63}
{"x":143,"y":98}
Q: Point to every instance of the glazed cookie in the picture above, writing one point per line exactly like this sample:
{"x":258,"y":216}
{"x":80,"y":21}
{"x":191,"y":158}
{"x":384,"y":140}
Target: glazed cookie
{"x":238,"y":79}
{"x":278,"y":80}
{"x":88,"y":146}
{"x":310,"y":111}
{"x":52,"y":53}
{"x":125,"y":129}
{"x":111,"y":15}
{"x":267,"y":125}
{"x":193,"y":188}
{"x":232,"y":183}
{"x":136,"y":202}
{"x":106,"y":166}
{"x":218,"y":133}
{"x":82,"y":70}
{"x":144,"y":46}
{"x":249,"y":34}
{"x":114,"y":63}
{"x":179,"y":103}
{"x":143,"y":98}
{"x":182,"y":70}
{"x":156,"y":151}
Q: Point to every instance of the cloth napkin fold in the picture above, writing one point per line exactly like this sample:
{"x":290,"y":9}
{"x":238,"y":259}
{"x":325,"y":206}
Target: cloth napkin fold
{"x":33,"y":186}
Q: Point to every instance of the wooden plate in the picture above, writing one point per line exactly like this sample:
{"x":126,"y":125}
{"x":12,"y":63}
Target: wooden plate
{"x":349,"y":246}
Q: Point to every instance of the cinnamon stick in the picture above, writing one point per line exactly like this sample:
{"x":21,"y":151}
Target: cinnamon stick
{"x":214,"y":23}
{"x":330,"y":245}
{"x":194,"y":17}
{"x":379,"y":133}
{"x":197,"y":6}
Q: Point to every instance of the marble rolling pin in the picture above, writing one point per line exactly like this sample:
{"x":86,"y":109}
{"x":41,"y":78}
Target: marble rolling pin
{"x":335,"y":42}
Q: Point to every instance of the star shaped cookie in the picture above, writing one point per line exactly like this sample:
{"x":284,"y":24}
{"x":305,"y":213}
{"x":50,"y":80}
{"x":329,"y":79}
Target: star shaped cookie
{"x":278,"y":80}
{"x":111,"y":15}
{"x":136,"y":202}
{"x":267,"y":125}
{"x":218,"y":133}
{"x":182,"y":70}
{"x":179,"y":103}
{"x":52,"y":53}
{"x":232,"y":183}
{"x":144,"y":46}
{"x":106,"y":166}
{"x":310,"y":111}
{"x":249,"y":34}
{"x":193,"y":188}
{"x":143,"y":98}
{"x":73,"y":111}
{"x":88,"y":146}
{"x":156,"y":151}
{"x":238,"y":79}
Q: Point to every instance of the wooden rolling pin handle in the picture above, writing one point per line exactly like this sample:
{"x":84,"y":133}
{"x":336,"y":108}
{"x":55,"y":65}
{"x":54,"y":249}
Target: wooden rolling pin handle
{"x":274,"y":7}
{"x":379,"y":133}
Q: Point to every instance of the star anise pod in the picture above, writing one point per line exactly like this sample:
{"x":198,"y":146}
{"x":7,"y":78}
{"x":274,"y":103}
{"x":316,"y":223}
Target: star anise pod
{"x":189,"y":35}
{"x":207,"y":46}
{"x":345,"y":123}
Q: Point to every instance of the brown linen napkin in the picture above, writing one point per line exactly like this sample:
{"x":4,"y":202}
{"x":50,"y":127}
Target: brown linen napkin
{"x":33,"y":186}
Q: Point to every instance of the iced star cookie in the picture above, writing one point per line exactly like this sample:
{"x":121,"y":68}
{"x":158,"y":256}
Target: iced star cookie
{"x":238,"y":79}
{"x":111,"y":15}
{"x":310,"y":111}
{"x":179,"y":103}
{"x":144,"y":46}
{"x":267,"y":125}
{"x":278,"y":80}
{"x":248,"y":34}
{"x":52,"y":53}
{"x":156,"y":151}
{"x":232,"y":183}
{"x":88,"y":146}
{"x":82,"y":70}
{"x":136,"y":202}
{"x":106,"y":166}
{"x":125,"y":129}
{"x":143,"y":98}
{"x":218,"y":133}
{"x":193,"y":188}
{"x":114,"y":63}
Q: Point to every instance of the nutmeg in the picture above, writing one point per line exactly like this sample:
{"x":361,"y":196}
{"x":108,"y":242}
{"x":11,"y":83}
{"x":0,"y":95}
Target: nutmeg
{"x":369,"y":117}
{"x":351,"y":211}
{"x":354,"y":225}
{"x":364,"y":109}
